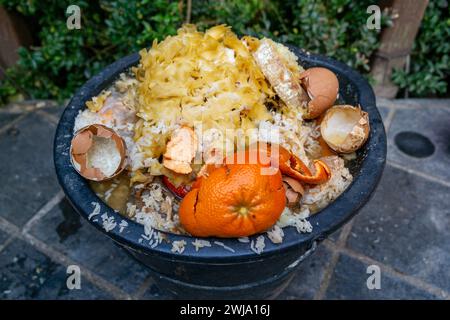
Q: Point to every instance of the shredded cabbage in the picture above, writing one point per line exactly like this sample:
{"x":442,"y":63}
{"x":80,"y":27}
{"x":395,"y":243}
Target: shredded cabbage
{"x":195,"y":77}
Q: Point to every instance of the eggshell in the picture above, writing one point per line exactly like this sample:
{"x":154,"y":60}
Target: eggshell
{"x":83,"y":141}
{"x":294,"y":184}
{"x":322,"y":87}
{"x":345,"y":128}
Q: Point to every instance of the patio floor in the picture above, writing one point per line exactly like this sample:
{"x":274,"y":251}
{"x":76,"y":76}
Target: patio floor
{"x":404,"y":229}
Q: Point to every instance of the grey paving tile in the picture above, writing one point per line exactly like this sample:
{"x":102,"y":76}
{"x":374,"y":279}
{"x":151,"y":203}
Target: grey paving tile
{"x":55,"y":111}
{"x":308,"y":276}
{"x":56,"y":288}
{"x":405,"y":225}
{"x":384,"y":112}
{"x":28,"y":274}
{"x":28,"y":178}
{"x":63,"y":229}
{"x":335,"y":235}
{"x":421,"y":103}
{"x":433,"y":123}
{"x":156,"y":293}
{"x":349,"y":281}
{"x":385,"y":103}
{"x":6,"y":118}
{"x":3,"y":237}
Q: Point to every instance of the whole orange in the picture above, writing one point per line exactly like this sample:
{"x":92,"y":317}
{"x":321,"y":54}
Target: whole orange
{"x":233,"y":200}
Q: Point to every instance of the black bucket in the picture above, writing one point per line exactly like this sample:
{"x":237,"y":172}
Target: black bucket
{"x":234,"y":272}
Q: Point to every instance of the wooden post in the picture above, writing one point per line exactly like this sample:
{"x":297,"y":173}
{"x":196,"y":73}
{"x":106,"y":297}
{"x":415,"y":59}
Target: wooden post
{"x":13,"y":34}
{"x":396,"y":43}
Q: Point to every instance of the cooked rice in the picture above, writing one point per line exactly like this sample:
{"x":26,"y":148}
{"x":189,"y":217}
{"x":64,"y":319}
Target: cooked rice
{"x":221,"y":244}
{"x":244,"y":239}
{"x":96,"y":210}
{"x":109,"y":192}
{"x":258,"y":245}
{"x":155,"y":211}
{"x":321,"y":195}
{"x":275,"y":234}
{"x":178,"y":246}
{"x":108,"y":222}
{"x":122,"y":225}
{"x":200,"y":243}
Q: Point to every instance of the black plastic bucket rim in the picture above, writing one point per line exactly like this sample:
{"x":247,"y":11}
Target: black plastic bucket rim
{"x":326,"y":221}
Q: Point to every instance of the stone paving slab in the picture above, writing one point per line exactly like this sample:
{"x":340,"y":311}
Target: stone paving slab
{"x":349,"y":281}
{"x":416,"y":103}
{"x":65,"y":230}
{"x":406,"y":225}
{"x":6,"y":118}
{"x":27,"y":171}
{"x":56,"y":288}
{"x":384,"y":112}
{"x":309,"y":276}
{"x":28,"y":274}
{"x":3,"y":237}
{"x":434,"y":124}
{"x":335,"y":235}
{"x":155,"y":293}
{"x":56,"y":112}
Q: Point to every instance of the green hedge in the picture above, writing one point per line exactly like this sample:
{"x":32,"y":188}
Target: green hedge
{"x":429,"y":72}
{"x":66,"y":58}
{"x":63,"y":59}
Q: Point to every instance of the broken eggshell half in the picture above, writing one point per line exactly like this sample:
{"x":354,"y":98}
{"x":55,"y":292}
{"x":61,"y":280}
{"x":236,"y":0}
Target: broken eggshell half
{"x":322,"y":87}
{"x":345,"y":128}
{"x":97,"y":152}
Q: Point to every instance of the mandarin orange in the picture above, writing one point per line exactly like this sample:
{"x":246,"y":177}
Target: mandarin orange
{"x":236,"y":199}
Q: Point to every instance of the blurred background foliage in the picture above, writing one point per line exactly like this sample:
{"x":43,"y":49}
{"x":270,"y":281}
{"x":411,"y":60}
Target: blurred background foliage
{"x":429,"y":70}
{"x":61,"y":59}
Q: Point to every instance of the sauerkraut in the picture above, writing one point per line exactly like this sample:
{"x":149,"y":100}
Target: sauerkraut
{"x":197,"y":78}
